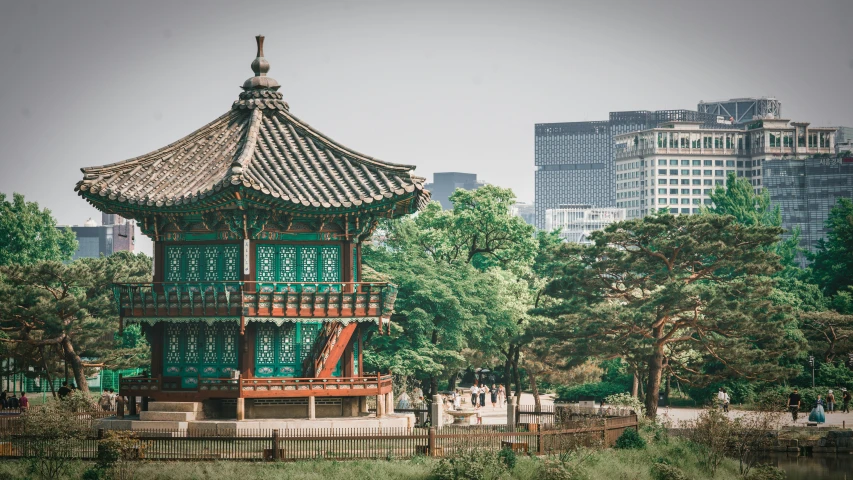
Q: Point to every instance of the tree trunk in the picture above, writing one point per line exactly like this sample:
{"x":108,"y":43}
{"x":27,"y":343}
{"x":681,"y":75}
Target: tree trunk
{"x":508,"y":371}
{"x":517,"y":379}
{"x":76,"y":365}
{"x":666,"y":389}
{"x":451,"y":383}
{"x":635,"y":386}
{"x":537,"y":402}
{"x":47,"y":372}
{"x":653,"y":385}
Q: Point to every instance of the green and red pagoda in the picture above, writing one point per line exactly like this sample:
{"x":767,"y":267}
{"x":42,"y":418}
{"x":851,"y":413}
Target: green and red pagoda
{"x":257,"y":221}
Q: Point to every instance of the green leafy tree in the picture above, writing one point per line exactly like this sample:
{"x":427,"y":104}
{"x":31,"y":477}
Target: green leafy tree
{"x":70,"y":308}
{"x":685,"y":289}
{"x":832,"y":262}
{"x":463,"y":279}
{"x":738,"y":199}
{"x":29,"y":234}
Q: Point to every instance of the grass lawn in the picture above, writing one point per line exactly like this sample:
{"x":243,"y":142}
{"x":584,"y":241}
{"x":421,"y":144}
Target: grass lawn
{"x":607,"y":464}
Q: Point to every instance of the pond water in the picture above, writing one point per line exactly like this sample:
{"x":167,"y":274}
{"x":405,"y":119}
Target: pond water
{"x":817,"y":467}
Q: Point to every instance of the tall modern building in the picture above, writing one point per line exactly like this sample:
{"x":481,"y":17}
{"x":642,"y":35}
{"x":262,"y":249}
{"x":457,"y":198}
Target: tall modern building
{"x":577,"y":222}
{"x":575,"y":161}
{"x":676,"y":165}
{"x":445,"y":183}
{"x":806,"y":190}
{"x":115,"y":234}
{"x":844,"y":139}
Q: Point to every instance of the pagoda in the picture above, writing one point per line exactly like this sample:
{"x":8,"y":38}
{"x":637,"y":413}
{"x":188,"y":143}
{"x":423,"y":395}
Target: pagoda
{"x":257,"y":299}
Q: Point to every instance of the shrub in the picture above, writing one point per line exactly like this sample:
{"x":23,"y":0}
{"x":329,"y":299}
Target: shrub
{"x":630,"y":439}
{"x":665,"y":471}
{"x":766,"y":472}
{"x":597,"y":390}
{"x":555,"y":469}
{"x":470,"y":465}
{"x":508,"y":458}
{"x":626,"y":400}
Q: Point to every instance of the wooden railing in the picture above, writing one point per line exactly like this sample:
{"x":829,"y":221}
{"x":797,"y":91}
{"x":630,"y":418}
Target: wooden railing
{"x":274,"y":299}
{"x":320,"y":387}
{"x":283,"y":387}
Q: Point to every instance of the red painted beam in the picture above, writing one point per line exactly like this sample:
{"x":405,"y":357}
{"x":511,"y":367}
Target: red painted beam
{"x":337,"y":351}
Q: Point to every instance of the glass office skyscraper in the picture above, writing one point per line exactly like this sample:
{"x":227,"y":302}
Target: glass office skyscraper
{"x":806,"y":190}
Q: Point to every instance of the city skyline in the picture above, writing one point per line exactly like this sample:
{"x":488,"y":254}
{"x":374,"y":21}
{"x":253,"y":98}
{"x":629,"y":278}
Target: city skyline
{"x":462,"y":86}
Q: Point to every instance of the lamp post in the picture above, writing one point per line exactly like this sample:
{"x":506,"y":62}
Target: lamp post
{"x":811,"y":362}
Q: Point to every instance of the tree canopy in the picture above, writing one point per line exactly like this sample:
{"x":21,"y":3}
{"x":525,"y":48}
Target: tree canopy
{"x":70,"y":308}
{"x":677,"y":291}
{"x":833,"y":259}
{"x":29,"y":234}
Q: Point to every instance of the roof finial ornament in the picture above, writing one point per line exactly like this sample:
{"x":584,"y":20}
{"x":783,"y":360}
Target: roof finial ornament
{"x":260,"y":66}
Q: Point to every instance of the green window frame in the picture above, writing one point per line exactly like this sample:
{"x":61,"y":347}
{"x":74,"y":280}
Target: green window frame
{"x":281,"y":349}
{"x":194,"y":350}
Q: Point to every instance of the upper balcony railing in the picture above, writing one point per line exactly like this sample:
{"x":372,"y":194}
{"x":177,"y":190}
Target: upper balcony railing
{"x":255,"y":299}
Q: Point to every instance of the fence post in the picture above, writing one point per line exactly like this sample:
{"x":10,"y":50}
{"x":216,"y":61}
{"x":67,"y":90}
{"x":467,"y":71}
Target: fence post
{"x":276,"y":453}
{"x":540,"y":438}
{"x":604,"y":432}
{"x":431,"y":442}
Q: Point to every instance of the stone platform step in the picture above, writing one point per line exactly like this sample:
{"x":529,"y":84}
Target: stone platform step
{"x":162,"y":416}
{"x":174,"y":407}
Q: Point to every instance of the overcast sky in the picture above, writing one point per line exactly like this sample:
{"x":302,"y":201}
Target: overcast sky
{"x":446,"y":86}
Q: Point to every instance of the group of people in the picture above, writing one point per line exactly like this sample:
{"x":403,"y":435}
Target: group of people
{"x":479,"y":393}
{"x":12,"y":402}
{"x":822,"y":406}
{"x":109,"y":399}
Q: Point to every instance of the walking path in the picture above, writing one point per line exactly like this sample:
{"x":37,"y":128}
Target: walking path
{"x":497,"y":416}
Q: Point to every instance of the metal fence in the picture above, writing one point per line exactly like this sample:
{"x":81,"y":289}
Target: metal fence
{"x":561,"y":414}
{"x":339,"y":444}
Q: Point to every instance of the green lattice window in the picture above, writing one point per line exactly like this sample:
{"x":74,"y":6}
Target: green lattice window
{"x":298,"y":263}
{"x":280,"y":350}
{"x":196,"y":349}
{"x":202,"y":263}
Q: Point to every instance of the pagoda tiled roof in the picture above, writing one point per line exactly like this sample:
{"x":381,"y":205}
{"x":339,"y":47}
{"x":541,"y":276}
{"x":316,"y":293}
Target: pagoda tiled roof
{"x":258,"y":144}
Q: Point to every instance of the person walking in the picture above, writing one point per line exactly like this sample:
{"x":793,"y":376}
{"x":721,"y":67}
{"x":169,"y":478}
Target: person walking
{"x":830,"y":402}
{"x":726,"y":401}
{"x":4,"y":400}
{"x":494,"y":393}
{"x":845,"y":401}
{"x":794,"y":401}
{"x":721,"y":395}
{"x":501,"y":395}
{"x":113,"y":400}
{"x":475,"y":395}
{"x":483,"y":391}
{"x":24,"y":402}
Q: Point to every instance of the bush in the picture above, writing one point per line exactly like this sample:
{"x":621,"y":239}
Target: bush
{"x":508,"y":458}
{"x":599,"y":390}
{"x":630,"y":439}
{"x":471,"y":465}
{"x":554,"y":469}
{"x":766,"y":472}
{"x":626,"y":400}
{"x":665,"y":471}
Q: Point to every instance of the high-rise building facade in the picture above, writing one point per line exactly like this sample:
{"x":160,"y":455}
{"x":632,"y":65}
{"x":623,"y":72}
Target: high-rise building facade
{"x":676,"y":165}
{"x":577,"y":222}
{"x":445,"y":183}
{"x":575,"y":163}
{"x":806,"y":190}
{"x":116,"y":234}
